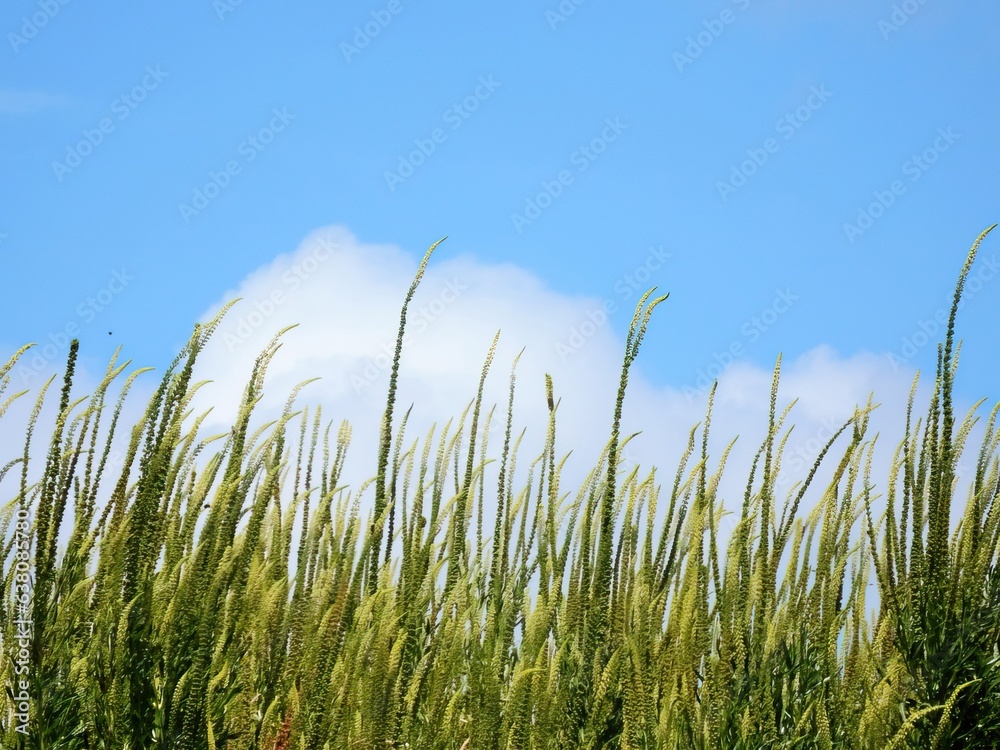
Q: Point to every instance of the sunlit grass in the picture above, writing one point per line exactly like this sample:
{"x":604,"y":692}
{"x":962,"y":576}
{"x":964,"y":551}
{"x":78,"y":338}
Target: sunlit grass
{"x":230,"y":593}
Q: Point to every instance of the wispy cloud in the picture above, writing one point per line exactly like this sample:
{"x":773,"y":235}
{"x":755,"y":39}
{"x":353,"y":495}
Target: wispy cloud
{"x":29,"y":102}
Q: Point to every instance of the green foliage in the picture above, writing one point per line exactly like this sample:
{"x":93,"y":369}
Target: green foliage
{"x":179,"y":615}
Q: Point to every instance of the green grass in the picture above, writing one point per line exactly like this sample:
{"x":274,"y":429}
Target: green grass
{"x":182,"y":612}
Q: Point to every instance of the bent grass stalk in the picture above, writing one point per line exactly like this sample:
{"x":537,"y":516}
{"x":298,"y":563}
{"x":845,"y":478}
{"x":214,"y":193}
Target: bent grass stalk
{"x":179,"y":616}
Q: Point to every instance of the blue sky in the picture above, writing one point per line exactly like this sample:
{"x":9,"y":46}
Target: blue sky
{"x":721,"y":150}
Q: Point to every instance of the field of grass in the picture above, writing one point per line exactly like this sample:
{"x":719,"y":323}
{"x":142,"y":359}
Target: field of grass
{"x":227,"y":592}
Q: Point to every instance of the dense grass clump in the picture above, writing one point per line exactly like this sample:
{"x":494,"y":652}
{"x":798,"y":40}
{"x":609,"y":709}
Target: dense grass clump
{"x":230,"y":593}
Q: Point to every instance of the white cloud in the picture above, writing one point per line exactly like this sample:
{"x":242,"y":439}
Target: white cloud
{"x":346,"y":295}
{"x":346,"y":300}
